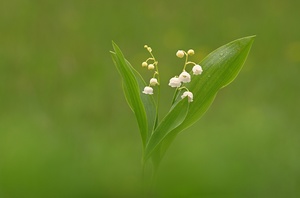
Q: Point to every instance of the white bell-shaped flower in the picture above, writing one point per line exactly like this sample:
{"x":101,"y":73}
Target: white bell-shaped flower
{"x":185,"y":77}
{"x":153,"y":82}
{"x":175,"y":82}
{"x":189,"y":95}
{"x":197,"y":70}
{"x":148,"y":90}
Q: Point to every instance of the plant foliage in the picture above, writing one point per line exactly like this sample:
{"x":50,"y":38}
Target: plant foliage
{"x":220,"y":68}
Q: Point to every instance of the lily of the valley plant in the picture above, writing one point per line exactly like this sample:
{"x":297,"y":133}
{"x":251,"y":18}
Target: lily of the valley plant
{"x":195,"y":89}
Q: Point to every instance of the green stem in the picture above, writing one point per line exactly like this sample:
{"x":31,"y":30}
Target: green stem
{"x":158,"y":79}
{"x":186,"y":60}
{"x":149,"y":176}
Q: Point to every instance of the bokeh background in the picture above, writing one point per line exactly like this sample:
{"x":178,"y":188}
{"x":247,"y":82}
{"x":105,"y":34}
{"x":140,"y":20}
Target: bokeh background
{"x":65,"y":127}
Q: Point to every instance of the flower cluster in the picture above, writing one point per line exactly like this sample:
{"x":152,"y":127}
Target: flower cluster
{"x":153,"y":65}
{"x":185,"y":77}
{"x":176,"y":81}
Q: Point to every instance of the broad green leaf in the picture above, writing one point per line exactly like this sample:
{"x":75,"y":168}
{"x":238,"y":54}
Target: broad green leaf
{"x":142,"y":105}
{"x":219,"y":69}
{"x":172,"y":120}
{"x":148,"y":101}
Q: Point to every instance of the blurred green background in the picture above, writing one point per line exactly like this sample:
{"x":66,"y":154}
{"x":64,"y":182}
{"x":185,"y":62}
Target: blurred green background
{"x":65,"y":127}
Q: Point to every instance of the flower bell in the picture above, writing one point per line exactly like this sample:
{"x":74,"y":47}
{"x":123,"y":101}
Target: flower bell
{"x":175,"y":82}
{"x":197,"y":70}
{"x":189,"y":95}
{"x":153,"y":82}
{"x":148,"y":90}
{"x":185,"y":77}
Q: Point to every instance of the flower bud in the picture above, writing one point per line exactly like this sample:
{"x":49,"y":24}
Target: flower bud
{"x":150,"y":66}
{"x":144,"y":64}
{"x":180,"y":54}
{"x":191,"y":52}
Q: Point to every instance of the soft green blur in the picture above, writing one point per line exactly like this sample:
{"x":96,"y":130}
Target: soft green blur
{"x":65,"y":127}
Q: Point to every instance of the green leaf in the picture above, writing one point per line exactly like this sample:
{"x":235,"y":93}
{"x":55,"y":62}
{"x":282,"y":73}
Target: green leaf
{"x":147,"y":100}
{"x":219,"y":69}
{"x":142,"y":105}
{"x":172,"y":120}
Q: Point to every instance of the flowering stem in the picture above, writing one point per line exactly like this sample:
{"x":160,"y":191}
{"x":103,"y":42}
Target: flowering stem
{"x":186,"y":61}
{"x":190,"y":62}
{"x":154,"y":75}
{"x":183,"y":87}
{"x":150,"y":59}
